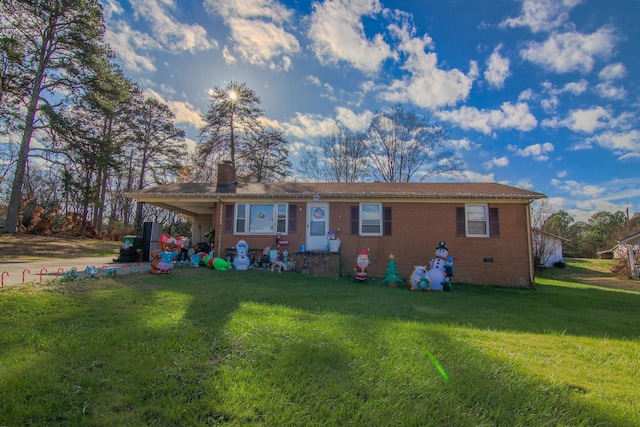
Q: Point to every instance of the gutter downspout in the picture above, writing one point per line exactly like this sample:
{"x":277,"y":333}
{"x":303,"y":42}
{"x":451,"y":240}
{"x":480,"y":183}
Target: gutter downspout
{"x":219,"y":247}
{"x":530,"y":247}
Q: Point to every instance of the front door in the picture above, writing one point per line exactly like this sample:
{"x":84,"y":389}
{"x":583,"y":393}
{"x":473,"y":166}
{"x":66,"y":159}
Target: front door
{"x":317,"y":226}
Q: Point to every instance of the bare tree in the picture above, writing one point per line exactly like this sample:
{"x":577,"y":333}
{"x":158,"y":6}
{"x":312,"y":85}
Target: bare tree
{"x":403,"y":146}
{"x":342,"y":157}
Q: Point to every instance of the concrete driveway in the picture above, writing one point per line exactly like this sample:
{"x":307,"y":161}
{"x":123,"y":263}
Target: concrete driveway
{"x":24,"y":271}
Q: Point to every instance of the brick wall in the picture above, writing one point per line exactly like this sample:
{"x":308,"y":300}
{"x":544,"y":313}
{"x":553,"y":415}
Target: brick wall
{"x":417,"y":228}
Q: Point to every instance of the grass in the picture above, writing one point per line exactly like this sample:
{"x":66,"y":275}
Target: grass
{"x":201,"y":347}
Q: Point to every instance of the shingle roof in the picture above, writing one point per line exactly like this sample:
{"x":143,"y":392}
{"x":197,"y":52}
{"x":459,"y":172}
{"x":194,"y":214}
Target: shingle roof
{"x":453,"y":190}
{"x":198,"y":198}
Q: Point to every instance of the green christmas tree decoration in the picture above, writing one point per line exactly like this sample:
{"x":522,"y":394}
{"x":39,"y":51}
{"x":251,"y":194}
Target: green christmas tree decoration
{"x":391,"y":276}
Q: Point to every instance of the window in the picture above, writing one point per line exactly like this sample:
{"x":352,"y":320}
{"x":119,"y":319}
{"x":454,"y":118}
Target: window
{"x":265,"y":218}
{"x":370,"y":219}
{"x":477,"y":221}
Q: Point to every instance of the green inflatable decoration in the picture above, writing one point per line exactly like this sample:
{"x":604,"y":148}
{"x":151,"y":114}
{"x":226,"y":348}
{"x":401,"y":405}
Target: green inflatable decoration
{"x":216,"y":263}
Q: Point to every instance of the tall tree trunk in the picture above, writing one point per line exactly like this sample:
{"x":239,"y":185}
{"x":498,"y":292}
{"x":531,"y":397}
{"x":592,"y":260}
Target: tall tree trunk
{"x":13,"y":212}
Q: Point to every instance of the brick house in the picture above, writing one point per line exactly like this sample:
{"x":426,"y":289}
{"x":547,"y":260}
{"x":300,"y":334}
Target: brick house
{"x":486,"y":226}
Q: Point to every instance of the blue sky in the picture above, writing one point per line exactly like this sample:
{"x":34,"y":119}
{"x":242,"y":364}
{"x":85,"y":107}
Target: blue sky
{"x":539,"y":94}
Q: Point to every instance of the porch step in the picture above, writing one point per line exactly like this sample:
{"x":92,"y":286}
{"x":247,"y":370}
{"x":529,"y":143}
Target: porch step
{"x":320,"y":263}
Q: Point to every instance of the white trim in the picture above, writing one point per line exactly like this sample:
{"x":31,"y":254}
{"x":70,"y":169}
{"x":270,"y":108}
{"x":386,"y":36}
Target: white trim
{"x":467,"y":220}
{"x":246,"y":229}
{"x":380,"y":220}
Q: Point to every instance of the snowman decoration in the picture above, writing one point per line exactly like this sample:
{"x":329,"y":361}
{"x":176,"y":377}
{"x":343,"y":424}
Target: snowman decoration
{"x":441,"y":269}
{"x":241,"y":261}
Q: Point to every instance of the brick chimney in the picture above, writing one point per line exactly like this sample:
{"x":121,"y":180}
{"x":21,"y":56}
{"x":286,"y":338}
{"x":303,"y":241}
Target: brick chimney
{"x":226,"y":178}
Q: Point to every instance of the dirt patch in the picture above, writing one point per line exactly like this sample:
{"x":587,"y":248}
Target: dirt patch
{"x":595,"y":273}
{"x":29,"y":246}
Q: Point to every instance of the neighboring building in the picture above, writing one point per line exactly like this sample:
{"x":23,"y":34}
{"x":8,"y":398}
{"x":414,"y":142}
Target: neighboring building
{"x":632,"y":244}
{"x":617,"y":252}
{"x":486,"y":226}
{"x":547,"y":247}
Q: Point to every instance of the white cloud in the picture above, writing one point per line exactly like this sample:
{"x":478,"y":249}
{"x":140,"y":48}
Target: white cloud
{"x":111,"y":7}
{"x":582,"y":120}
{"x":497,"y":162}
{"x":471,"y":176}
{"x":542,"y":15}
{"x":307,"y":126}
{"x":571,"y":51}
{"x":338,"y":34}
{"x":580,"y":189}
{"x":509,"y":116}
{"x":261,"y":43}
{"x":173,"y":35}
{"x":427,"y":86}
{"x":497,"y":69}
{"x":229,"y":58}
{"x":625,"y":145}
{"x":126,"y":42}
{"x":613,"y":72}
{"x":257,"y":31}
{"x":353,"y":121}
{"x":185,"y":112}
{"x":539,"y":152}
{"x":609,"y":91}
{"x":461,"y":144}
{"x":525,"y":183}
{"x":552,"y":101}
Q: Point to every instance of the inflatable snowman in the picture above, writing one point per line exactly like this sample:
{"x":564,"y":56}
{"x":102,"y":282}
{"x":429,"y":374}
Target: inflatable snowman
{"x":241,"y":261}
{"x":440,"y":269}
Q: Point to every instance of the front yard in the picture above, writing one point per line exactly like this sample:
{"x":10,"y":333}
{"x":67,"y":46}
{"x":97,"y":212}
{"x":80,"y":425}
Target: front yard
{"x":203,"y":347}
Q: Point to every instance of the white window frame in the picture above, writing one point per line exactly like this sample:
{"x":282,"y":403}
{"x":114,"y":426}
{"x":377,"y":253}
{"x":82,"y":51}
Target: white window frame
{"x":371,"y":221}
{"x":471,"y":212}
{"x":274,"y":218}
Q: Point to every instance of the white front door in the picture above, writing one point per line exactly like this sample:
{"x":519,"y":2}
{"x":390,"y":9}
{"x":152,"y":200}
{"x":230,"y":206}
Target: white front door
{"x":317,"y":226}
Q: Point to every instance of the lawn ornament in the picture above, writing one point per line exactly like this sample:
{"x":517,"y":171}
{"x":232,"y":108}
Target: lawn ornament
{"x":110,"y":271}
{"x":163,"y":258}
{"x":219,"y":264}
{"x":438,"y":268}
{"x":391,"y":276}
{"x":360,"y":267}
{"x":419,"y":280}
{"x":91,"y":271}
{"x":283,"y":263}
{"x":242,"y":260}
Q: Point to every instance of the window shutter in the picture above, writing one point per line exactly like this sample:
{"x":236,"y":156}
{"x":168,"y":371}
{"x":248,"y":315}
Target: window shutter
{"x":293,"y":218}
{"x":460,"y":223}
{"x":355,"y":220}
{"x":228,"y":218}
{"x":386,"y":219}
{"x":494,"y":223}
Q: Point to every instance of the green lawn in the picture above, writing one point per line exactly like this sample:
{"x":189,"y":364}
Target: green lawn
{"x":202,"y":347}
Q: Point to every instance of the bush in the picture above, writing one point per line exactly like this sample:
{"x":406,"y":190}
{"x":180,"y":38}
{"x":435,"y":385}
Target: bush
{"x":560,"y":264}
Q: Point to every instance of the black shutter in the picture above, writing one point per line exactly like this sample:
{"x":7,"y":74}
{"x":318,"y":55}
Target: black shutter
{"x":494,"y":222}
{"x":355,"y":220}
{"x":386,"y":219}
{"x":460,"y":223}
{"x":228,"y":218}
{"x":293,"y":218}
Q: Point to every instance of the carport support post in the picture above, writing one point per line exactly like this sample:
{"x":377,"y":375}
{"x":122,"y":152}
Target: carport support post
{"x":138,"y":225}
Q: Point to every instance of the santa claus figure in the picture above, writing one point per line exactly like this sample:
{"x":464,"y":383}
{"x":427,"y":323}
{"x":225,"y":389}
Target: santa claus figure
{"x":360,"y":267}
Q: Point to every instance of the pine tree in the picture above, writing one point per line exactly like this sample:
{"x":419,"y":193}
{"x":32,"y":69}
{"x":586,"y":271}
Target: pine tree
{"x":391,"y":276}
